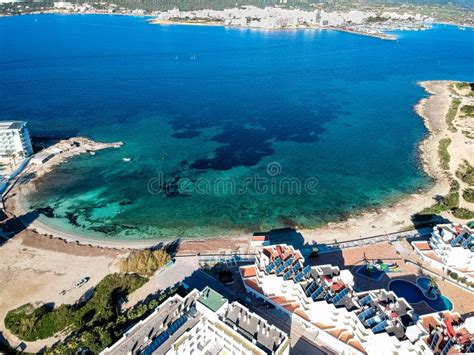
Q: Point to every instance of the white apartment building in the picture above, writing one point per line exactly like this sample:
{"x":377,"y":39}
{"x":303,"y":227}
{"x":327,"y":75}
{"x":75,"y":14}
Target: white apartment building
{"x":448,"y":333}
{"x":202,"y":323}
{"x":323,"y":299}
{"x":450,"y":247}
{"x":14,"y":139}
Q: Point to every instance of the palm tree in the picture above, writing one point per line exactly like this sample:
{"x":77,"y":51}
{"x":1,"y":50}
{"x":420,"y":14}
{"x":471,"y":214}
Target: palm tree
{"x":433,"y":284}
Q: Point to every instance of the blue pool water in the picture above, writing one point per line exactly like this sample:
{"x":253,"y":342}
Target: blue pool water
{"x":203,"y":107}
{"x":424,"y":283}
{"x":413,"y":294}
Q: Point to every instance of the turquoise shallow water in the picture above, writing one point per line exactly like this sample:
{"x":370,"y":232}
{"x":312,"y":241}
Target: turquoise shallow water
{"x":226,"y":129}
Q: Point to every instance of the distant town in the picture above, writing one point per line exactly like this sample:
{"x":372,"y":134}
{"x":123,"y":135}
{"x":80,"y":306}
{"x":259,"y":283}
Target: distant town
{"x":372,"y":21}
{"x":395,"y":280}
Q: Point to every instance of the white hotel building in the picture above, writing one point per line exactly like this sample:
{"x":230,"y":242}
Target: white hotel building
{"x":202,"y":323}
{"x":323,"y":299}
{"x":14,"y":139}
{"x":450,"y":247}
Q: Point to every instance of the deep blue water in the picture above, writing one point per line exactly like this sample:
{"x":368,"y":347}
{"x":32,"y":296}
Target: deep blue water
{"x":201,"y":106}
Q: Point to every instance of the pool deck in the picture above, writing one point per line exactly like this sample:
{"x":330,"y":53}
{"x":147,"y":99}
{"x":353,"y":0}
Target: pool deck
{"x":395,"y":252}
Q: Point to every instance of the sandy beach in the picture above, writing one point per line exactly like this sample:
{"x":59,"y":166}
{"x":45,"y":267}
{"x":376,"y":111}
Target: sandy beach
{"x":393,"y":218}
{"x":39,"y":261}
{"x":397,"y":216}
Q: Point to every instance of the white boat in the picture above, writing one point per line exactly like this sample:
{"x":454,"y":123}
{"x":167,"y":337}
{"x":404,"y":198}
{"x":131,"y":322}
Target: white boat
{"x":81,"y":282}
{"x":126,"y":159}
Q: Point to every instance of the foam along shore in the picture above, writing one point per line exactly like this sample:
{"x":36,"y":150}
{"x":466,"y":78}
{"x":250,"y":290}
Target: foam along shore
{"x":398,"y":215}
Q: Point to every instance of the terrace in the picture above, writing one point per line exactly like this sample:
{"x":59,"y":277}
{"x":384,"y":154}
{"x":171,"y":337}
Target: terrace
{"x":448,"y":333}
{"x":383,"y":311}
{"x":378,"y":311}
{"x":251,"y":326}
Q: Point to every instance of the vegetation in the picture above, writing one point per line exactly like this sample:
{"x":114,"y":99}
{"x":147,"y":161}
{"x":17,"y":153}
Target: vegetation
{"x":466,"y":173}
{"x":106,"y":333}
{"x":455,"y":276}
{"x":463,"y":86}
{"x":468,"y":195}
{"x":30,"y":323}
{"x":443,"y":153}
{"x":445,"y":203}
{"x":145,"y":262}
{"x":463,"y":213}
{"x":468,"y":110}
{"x":466,"y":86}
{"x":451,"y":115}
{"x":468,"y":134}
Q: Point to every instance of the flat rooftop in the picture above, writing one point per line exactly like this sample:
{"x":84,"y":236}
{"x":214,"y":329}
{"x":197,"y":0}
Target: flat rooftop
{"x":212,"y":299}
{"x":11,"y":124}
{"x":268,"y":337}
{"x":167,"y":314}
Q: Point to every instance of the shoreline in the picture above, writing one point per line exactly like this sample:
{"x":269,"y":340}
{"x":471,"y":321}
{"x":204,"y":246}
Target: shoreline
{"x":398,"y":216}
{"x":383,"y":36}
{"x":369,"y":222}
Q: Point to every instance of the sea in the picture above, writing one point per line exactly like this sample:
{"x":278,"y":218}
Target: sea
{"x":226,"y":130}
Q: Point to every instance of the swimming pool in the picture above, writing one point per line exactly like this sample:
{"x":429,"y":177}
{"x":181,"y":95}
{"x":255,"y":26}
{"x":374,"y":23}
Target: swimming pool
{"x":413,"y":294}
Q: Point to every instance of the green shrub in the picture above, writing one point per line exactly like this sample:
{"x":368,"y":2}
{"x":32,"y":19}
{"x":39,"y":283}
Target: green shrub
{"x":444,"y":156}
{"x":98,"y":337}
{"x":451,"y":115}
{"x":466,"y":173}
{"x":145,"y":262}
{"x":468,"y":110}
{"x":451,"y":200}
{"x":454,"y":185}
{"x":463,"y":213}
{"x":462,"y":86}
{"x":453,"y":275}
{"x":30,"y":323}
{"x":468,"y":195}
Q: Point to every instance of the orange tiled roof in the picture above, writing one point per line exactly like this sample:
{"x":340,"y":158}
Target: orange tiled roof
{"x":356,"y":344}
{"x":322,"y":325}
{"x":280,"y":300}
{"x":346,"y":336}
{"x":291,"y":307}
{"x":270,"y":252}
{"x":302,"y":314}
{"x":429,"y":323}
{"x":432,"y":255}
{"x":248,"y":271}
{"x":422,"y":245}
{"x":335,"y":332}
{"x":253,"y":284}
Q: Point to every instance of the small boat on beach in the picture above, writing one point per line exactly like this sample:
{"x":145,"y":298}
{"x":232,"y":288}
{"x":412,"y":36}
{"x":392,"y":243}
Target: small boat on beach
{"x":81,"y":282}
